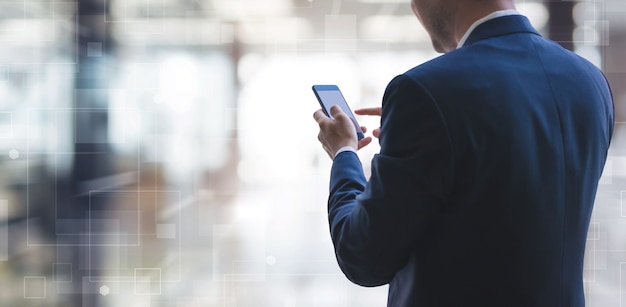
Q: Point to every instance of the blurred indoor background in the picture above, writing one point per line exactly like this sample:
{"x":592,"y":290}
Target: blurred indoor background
{"x":163,"y":152}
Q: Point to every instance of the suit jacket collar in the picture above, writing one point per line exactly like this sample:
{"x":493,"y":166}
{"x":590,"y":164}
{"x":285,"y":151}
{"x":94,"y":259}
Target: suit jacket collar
{"x":501,"y":26}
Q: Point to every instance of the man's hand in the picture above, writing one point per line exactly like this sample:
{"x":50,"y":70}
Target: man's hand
{"x":375,"y":111}
{"x":337,"y":133}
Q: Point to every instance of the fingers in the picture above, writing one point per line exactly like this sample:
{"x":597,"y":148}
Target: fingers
{"x":320,"y":138}
{"x":336,"y":111}
{"x":373,"y":111}
{"x":336,"y":131}
{"x":364,"y":142}
{"x":376,"y":111}
{"x":319,"y":116}
{"x":376,"y":132}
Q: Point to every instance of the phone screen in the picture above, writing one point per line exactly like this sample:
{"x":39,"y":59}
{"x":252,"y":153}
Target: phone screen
{"x":330,"y":95}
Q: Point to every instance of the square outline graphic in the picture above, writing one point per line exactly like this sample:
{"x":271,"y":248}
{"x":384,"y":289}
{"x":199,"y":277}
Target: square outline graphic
{"x":55,"y":111}
{"x":44,"y":287}
{"x":174,"y":210}
{"x":90,"y":218}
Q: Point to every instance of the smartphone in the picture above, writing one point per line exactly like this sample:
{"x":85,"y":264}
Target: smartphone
{"x":330,"y":95}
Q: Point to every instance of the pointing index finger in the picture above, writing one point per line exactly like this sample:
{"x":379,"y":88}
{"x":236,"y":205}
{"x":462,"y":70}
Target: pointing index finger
{"x":369,"y":111}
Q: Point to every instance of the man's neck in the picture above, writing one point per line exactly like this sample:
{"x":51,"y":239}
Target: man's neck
{"x":471,"y":11}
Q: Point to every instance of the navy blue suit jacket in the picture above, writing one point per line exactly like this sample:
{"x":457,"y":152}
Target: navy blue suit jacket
{"x":483,"y":189}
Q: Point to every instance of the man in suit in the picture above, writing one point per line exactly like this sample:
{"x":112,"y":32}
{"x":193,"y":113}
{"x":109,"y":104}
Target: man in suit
{"x":489,"y":163}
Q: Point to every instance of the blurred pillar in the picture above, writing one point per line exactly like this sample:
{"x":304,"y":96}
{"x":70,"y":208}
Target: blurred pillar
{"x":92,"y":153}
{"x":236,"y":53}
{"x":227,"y":179}
{"x":561,"y":23}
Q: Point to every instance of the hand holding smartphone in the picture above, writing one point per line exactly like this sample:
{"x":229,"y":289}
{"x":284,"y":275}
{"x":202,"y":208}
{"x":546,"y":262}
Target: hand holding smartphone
{"x":330,"y":95}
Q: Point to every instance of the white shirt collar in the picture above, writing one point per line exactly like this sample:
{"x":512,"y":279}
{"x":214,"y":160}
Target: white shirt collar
{"x":478,"y":22}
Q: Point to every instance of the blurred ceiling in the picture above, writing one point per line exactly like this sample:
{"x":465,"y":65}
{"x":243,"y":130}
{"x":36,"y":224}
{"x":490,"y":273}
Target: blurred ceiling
{"x":306,"y":24}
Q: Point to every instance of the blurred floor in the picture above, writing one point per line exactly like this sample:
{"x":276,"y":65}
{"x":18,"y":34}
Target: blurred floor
{"x":233,"y":243}
{"x":268,"y":245}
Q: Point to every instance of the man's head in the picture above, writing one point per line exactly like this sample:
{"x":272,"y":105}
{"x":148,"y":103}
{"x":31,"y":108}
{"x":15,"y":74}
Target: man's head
{"x":437,"y":17}
{"x":447,"y":20}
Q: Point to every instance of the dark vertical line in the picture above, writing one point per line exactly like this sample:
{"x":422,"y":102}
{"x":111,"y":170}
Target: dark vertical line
{"x":561,"y":23}
{"x":92,"y":157}
{"x":236,"y":53}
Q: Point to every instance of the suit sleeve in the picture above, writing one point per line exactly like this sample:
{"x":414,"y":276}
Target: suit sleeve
{"x":376,"y":225}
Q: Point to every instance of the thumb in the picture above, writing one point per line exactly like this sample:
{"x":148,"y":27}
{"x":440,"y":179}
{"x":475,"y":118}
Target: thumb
{"x":336,"y":111}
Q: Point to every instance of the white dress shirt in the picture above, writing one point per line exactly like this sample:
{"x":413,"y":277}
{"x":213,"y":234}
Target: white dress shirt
{"x":345,"y":148}
{"x":478,"y":22}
